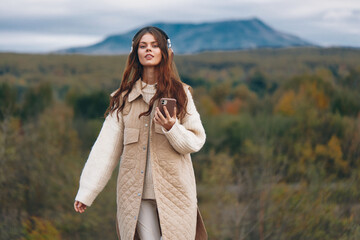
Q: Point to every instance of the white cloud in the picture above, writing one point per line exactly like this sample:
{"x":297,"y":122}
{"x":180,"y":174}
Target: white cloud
{"x":35,"y":8}
{"x":30,"y":42}
{"x":336,"y":15}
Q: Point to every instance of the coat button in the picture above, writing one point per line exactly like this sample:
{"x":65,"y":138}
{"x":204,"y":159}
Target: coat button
{"x":139,"y":194}
{"x":135,"y":217}
{"x":146,"y":124}
{"x":142,"y":171}
{"x":144,"y":147}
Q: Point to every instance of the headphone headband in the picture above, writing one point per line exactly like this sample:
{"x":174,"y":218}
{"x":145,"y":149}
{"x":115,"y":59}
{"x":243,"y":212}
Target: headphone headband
{"x":158,"y":29}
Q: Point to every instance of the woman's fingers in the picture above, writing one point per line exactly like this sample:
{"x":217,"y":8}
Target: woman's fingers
{"x":160,"y":115}
{"x":159,"y":118}
{"x":79,"y":207}
{"x":167,"y":122}
{"x":167,"y":114}
{"x":174,"y":115}
{"x":156,"y":116}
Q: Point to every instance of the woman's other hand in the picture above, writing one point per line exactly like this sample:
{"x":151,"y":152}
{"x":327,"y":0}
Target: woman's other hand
{"x":166,"y":121}
{"x":79,"y":207}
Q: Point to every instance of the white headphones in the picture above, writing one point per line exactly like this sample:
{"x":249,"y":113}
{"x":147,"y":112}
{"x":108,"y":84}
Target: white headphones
{"x":161,"y":31}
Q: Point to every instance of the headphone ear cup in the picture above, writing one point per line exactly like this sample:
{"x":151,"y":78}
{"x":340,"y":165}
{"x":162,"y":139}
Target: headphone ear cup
{"x":131,"y":49}
{"x":168,"y":42}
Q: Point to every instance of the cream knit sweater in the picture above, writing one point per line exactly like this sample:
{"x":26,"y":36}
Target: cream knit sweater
{"x":107,"y":149}
{"x":148,"y":92}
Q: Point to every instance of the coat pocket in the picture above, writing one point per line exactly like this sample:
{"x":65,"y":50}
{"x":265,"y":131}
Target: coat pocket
{"x":131,"y":135}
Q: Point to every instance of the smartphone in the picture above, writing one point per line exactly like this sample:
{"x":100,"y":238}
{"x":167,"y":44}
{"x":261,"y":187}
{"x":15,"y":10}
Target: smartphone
{"x":170,"y":104}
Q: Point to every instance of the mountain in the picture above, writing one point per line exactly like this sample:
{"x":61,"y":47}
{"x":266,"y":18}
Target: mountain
{"x":211,"y":36}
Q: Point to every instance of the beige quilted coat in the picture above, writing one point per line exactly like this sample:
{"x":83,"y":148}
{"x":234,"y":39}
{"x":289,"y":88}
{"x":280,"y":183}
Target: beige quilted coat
{"x":172,"y":169}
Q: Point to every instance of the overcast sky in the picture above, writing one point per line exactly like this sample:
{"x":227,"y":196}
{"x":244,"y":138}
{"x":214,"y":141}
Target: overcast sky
{"x":45,"y":25}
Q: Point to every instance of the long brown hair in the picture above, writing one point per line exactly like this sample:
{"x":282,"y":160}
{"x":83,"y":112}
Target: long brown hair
{"x":168,"y":84}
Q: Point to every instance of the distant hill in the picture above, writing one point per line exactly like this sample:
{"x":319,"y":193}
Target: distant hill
{"x":211,"y":36}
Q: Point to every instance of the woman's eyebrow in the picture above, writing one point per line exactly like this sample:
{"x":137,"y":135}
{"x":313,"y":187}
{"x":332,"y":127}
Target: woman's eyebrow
{"x":150,"y":42}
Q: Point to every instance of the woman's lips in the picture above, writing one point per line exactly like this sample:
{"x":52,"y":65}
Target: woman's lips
{"x":149,"y":56}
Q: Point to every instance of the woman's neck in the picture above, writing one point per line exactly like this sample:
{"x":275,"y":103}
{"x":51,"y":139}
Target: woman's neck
{"x":149,"y":75}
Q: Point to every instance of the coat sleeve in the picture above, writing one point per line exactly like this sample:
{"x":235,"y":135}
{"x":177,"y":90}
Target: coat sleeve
{"x":102,"y":160}
{"x":189,"y":136}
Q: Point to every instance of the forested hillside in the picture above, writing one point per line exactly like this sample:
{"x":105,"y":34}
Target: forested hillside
{"x":281,"y":161}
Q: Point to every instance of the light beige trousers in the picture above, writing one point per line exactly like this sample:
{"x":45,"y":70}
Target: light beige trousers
{"x":148,"y":226}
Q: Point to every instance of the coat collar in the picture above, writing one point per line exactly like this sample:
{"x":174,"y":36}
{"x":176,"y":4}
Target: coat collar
{"x":136,"y":91}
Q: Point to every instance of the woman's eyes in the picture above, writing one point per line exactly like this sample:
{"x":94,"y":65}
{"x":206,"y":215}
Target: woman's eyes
{"x":144,"y":46}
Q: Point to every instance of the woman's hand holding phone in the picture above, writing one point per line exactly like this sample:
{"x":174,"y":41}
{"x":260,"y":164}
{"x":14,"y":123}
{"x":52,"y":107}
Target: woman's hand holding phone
{"x":166,"y":121}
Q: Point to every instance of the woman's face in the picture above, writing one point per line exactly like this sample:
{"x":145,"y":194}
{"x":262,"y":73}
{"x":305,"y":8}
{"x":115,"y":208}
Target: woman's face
{"x":149,"y":52}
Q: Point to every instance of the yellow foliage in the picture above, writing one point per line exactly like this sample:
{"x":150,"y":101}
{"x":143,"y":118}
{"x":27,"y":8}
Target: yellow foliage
{"x":333,"y":151}
{"x":321,"y":149}
{"x":308,"y":96}
{"x":336,"y":153}
{"x":285,"y":105}
{"x":335,"y":148}
{"x":320,"y":99}
{"x":37,"y":228}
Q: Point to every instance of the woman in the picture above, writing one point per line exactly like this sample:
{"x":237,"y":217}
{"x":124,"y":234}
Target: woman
{"x":156,"y":190}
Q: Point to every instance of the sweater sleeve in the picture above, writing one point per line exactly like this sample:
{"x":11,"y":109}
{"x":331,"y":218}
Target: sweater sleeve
{"x":189,"y":136}
{"x":102,"y":160}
